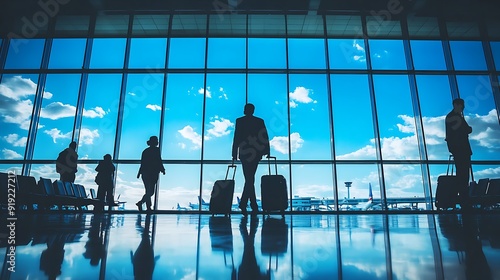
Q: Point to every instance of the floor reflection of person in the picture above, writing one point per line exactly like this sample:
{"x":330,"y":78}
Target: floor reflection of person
{"x":52,"y":257}
{"x":144,"y":260}
{"x":249,"y":268}
{"x":95,"y":248}
{"x":477,"y":266}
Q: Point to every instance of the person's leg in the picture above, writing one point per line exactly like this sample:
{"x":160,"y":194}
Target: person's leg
{"x":149,"y":185}
{"x":109,"y":195}
{"x":249,"y":188}
{"x":462,"y":163}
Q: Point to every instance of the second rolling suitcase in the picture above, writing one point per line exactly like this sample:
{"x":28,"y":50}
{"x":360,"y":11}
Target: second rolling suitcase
{"x":273,"y":191}
{"x":221,"y":198}
{"x":447,"y":191}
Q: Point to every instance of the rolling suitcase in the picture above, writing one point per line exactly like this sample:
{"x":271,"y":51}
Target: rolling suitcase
{"x":447,"y":190}
{"x":273,"y":191}
{"x":221,"y":198}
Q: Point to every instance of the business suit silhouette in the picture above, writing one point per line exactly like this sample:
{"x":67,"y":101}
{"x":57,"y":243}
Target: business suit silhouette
{"x":250,"y":143}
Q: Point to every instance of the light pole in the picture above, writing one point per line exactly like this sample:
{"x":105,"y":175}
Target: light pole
{"x":348,"y":186}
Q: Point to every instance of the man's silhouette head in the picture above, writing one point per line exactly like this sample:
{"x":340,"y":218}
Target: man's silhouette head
{"x":458,"y":105}
{"x":249,"y":109}
{"x":153,"y":141}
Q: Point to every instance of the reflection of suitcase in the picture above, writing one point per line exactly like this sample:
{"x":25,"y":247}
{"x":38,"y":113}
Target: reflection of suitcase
{"x":274,"y":240}
{"x":273,"y":191}
{"x":221,"y":239}
{"x":447,"y":189}
{"x":221,"y":198}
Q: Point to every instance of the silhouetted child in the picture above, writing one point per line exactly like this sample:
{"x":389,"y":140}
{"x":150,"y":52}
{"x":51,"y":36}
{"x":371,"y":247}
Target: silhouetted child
{"x":104,"y":179}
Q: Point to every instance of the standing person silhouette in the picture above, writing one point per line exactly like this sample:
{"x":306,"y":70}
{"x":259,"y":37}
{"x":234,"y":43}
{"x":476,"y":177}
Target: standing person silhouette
{"x":151,"y":166}
{"x":457,"y":139}
{"x":250,"y":143}
{"x":66,"y":163}
{"x":104,"y":179}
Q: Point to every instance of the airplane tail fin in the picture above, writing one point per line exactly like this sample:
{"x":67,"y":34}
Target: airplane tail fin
{"x":238,"y":199}
{"x":370,"y":194}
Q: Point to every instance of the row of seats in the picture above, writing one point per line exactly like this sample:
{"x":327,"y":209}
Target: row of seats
{"x":45,"y":194}
{"x":485,"y":193}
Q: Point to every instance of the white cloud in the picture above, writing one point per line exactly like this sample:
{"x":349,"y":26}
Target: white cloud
{"x":208,"y":92}
{"x":17,"y":88}
{"x":220,"y":127}
{"x":301,"y":95}
{"x":87,"y":136}
{"x":15,"y":141}
{"x":188,"y":133}
{"x":56,"y":134}
{"x":10,"y":154}
{"x":182,"y":145}
{"x":153,"y":107}
{"x":293,"y":104}
{"x":280,"y":143}
{"x":57,"y":110}
{"x":487,"y":173}
{"x":485,"y":129}
{"x":131,"y":93}
{"x":97,"y":112}
{"x":222,"y":93}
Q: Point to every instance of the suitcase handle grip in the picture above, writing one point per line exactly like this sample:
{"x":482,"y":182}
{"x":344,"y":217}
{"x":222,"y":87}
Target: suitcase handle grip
{"x":275,"y":164}
{"x":229,"y":167}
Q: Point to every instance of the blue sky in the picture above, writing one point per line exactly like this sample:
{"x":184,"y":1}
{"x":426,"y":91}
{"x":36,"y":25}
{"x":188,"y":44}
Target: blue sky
{"x":196,"y":112}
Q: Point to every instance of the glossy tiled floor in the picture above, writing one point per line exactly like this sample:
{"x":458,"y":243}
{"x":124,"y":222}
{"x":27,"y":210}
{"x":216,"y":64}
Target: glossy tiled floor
{"x":185,"y":246}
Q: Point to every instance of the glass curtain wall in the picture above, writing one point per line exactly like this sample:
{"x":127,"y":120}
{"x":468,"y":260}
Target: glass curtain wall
{"x":354,"y":107}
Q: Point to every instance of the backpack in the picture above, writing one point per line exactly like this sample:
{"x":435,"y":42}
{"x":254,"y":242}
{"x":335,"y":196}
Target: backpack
{"x":61,"y":161}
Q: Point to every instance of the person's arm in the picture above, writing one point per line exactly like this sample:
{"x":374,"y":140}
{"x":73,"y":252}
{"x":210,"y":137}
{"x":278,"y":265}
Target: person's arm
{"x":236,"y":141}
{"x":265,"y":139}
{"x":160,"y":163}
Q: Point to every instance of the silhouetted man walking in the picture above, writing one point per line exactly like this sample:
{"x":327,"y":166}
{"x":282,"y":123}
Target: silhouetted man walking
{"x":151,"y":166}
{"x":250,"y":143}
{"x":457,"y":139}
{"x":66,"y":163}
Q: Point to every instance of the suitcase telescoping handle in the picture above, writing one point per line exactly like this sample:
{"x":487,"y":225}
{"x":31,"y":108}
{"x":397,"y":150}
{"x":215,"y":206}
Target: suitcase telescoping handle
{"x":275,"y":164}
{"x":229,"y":167}
{"x":450,"y":162}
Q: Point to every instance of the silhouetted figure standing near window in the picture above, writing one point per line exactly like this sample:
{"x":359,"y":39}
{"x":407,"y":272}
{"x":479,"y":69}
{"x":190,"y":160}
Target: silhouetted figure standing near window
{"x":104,"y":179}
{"x":457,"y":139}
{"x":66,"y":164}
{"x":151,"y":166}
{"x":250,"y":143}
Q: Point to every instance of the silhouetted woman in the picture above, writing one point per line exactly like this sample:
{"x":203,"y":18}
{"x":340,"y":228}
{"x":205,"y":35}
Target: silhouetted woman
{"x":151,"y":166}
{"x":104,"y":179}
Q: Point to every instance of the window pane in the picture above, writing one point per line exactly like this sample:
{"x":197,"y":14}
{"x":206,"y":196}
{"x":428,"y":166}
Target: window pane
{"x":344,"y":25}
{"x":72,"y":25}
{"x":183,"y":117}
{"x":309,"y":105}
{"x":403,"y":182}
{"x":308,"y":25}
{"x":314,"y":58}
{"x":259,"y":25}
{"x":461,"y":29}
{"x":151,"y":25}
{"x":495,"y":49}
{"x":387,"y":55}
{"x":396,"y":123}
{"x":180,"y":186}
{"x":108,"y":53}
{"x":318,"y":187}
{"x":228,"y":25}
{"x":268,"y":92}
{"x":111,"y":25}
{"x":17,"y":93}
{"x":128,"y":186}
{"x":189,"y":25}
{"x":350,"y":93}
{"x":187,"y":53}
{"x":100,"y":111}
{"x":224,"y":103}
{"x":468,"y":55}
{"x":427,"y":55}
{"x":143,"y":98}
{"x":147,"y":53}
{"x":57,"y":117}
{"x":266,"y":53}
{"x":24,"y":53}
{"x":346,"y":54}
{"x":67,"y":53}
{"x":377,"y":26}
{"x":481,"y":115}
{"x":226,"y":53}
{"x":353,"y":183}
{"x":425,"y":27}
{"x":435,"y":103}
